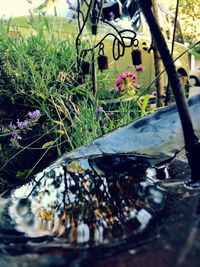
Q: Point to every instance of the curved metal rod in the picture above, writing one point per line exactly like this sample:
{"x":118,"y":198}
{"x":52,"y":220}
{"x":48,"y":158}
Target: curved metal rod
{"x":119,"y":39}
{"x":116,"y":39}
{"x":80,"y":13}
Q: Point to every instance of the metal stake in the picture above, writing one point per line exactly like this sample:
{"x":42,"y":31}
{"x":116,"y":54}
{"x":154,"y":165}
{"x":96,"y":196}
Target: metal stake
{"x":192,"y":144}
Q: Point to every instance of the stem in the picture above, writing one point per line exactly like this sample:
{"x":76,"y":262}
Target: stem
{"x":93,"y":75}
{"x":182,"y":107}
{"x":192,"y":144}
{"x":167,"y":97}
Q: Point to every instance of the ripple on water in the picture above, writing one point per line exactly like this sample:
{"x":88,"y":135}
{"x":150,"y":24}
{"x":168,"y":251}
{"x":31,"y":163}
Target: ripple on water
{"x":88,"y":202}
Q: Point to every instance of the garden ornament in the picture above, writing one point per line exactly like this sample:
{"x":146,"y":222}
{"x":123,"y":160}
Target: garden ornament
{"x":102,"y":12}
{"x":136,"y":57}
{"x":85,"y":67}
{"x":102,"y":62}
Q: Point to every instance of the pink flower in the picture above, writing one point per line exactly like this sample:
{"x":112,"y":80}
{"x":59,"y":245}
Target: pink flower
{"x":139,"y":68}
{"x":132,"y":75}
{"x":118,"y":88}
{"x":126,"y":81}
{"x":119,"y":81}
{"x":122,"y":76}
{"x":154,"y":93}
{"x":110,"y":113}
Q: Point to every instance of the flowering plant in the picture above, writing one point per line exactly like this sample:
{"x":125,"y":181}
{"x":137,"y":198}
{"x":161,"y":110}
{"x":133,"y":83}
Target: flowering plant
{"x":98,"y":112}
{"x":126,"y":83}
{"x":139,"y":68}
{"x":21,"y":127}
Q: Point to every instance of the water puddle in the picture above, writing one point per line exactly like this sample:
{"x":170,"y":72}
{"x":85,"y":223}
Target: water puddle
{"x":89,"y":202}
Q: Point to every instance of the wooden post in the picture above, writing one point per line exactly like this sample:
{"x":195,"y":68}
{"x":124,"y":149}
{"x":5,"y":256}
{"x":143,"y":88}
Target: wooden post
{"x":158,"y":62}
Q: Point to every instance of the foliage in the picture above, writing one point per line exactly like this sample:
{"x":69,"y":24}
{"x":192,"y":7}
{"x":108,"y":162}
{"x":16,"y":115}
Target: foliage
{"x":189,"y":15}
{"x":37,"y":73}
{"x":196,"y":51}
{"x":44,"y":111}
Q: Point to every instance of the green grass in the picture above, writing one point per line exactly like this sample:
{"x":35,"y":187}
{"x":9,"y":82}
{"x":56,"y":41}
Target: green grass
{"x":38,"y":72}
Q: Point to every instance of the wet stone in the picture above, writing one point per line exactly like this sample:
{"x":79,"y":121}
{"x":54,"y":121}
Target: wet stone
{"x":86,"y":203}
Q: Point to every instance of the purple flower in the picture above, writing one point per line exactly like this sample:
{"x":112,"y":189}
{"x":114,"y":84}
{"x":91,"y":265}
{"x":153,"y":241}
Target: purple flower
{"x":12,"y":126}
{"x":129,"y":66}
{"x":25,"y":123}
{"x":19,"y":123}
{"x":30,"y":114}
{"x":69,"y":3}
{"x":98,"y":111}
{"x":16,"y":136}
{"x":34,"y":114}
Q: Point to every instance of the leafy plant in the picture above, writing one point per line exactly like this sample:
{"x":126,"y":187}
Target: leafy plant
{"x":38,"y":75}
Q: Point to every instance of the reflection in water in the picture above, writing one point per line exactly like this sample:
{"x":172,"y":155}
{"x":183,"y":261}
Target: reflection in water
{"x":89,"y":201}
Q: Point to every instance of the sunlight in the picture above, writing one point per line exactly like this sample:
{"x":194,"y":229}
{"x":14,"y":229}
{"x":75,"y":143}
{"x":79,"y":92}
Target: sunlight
{"x":14,"y":8}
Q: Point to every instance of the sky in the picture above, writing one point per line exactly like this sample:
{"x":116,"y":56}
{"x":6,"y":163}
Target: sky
{"x":14,"y":7}
{"x":21,"y":7}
